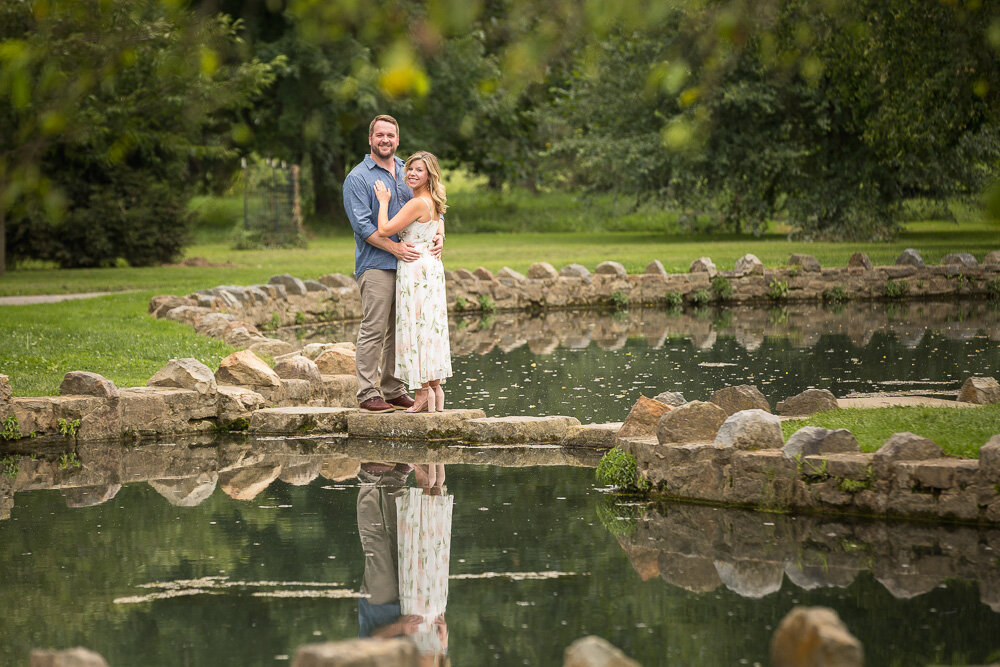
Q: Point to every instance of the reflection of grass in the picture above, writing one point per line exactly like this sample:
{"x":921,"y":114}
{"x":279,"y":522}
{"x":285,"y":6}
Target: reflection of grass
{"x":958,"y":431}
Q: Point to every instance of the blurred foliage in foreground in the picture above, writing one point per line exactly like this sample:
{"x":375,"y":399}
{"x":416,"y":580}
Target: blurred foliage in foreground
{"x":825,"y":113}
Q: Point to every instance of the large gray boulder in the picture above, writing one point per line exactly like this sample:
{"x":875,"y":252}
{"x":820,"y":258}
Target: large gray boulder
{"x":337,"y":280}
{"x":905,"y":446}
{"x":593,"y":651}
{"x":696,"y":421}
{"x":298,"y":368}
{"x":750,"y":429}
{"x":671,"y":398}
{"x":655,"y":268}
{"x":611,"y":268}
{"x":961,"y":259}
{"x":643,"y":418}
{"x":860,"y":260}
{"x":910,"y":257}
{"x":748,"y":264}
{"x":740,"y":397}
{"x":808,"y":402}
{"x":807,"y":263}
{"x":814,"y":637}
{"x":980,"y":390}
{"x":810,"y":440}
{"x":703,"y":265}
{"x":84,"y":383}
{"x":246,"y":369}
{"x":292,"y":284}
{"x":542,"y":271}
{"x":185,"y":373}
{"x":575,"y":271}
{"x":989,"y":460}
{"x":337,"y":361}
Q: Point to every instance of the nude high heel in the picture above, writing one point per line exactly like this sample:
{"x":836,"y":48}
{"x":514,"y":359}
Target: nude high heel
{"x":439,"y":396}
{"x":431,"y":400}
{"x":420,"y":402}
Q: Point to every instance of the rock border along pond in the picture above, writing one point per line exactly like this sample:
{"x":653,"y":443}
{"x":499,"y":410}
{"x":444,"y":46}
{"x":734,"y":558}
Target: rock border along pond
{"x":728,"y":450}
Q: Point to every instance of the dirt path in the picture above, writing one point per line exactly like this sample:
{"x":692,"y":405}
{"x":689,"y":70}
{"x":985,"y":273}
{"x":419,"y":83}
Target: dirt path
{"x":892,"y":401}
{"x":50,"y":298}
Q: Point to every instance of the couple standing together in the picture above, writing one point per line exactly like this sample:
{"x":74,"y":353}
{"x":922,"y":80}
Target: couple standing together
{"x":397,"y":212}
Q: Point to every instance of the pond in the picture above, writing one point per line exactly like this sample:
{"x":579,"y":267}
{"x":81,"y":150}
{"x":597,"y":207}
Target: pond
{"x":237,"y":552}
{"x":242,"y":566}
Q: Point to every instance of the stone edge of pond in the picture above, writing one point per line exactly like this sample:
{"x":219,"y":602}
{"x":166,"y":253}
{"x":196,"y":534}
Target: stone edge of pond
{"x":236,"y":314}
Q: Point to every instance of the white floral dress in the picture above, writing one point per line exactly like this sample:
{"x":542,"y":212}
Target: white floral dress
{"x":423,"y":526}
{"x":423,"y":352}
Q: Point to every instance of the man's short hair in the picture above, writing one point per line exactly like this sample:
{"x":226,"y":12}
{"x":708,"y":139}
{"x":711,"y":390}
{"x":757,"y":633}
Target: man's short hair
{"x":385,"y":118}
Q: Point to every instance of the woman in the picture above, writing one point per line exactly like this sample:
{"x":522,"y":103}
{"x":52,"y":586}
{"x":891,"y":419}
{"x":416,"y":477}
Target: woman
{"x":423,"y":352}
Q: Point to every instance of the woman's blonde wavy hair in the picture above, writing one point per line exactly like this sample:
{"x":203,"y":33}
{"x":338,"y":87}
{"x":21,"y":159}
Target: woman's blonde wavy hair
{"x":435,"y":186}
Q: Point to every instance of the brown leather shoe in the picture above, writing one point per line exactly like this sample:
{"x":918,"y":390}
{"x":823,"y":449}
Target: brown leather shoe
{"x":376,"y":404}
{"x":401,"y":402}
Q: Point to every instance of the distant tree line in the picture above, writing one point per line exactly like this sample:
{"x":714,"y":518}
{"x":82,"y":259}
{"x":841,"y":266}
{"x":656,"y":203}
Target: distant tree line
{"x":826,"y":113}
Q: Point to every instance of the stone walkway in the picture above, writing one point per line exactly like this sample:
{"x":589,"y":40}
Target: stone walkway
{"x":894,"y":401}
{"x":32,"y":299}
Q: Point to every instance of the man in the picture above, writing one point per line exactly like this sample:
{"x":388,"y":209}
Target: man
{"x":375,"y":260}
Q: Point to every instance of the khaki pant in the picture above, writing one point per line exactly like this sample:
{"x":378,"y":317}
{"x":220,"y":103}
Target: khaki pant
{"x":376,"y":345}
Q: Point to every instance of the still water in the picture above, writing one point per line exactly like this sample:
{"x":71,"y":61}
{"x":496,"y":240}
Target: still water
{"x":220,"y":553}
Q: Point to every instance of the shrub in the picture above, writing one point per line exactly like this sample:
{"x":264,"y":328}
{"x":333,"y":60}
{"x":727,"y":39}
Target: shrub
{"x":618,"y":469}
{"x":894,"y":290}
{"x":461,"y":304}
{"x":486,"y":303}
{"x":674,"y":299}
{"x":722,"y":288}
{"x":993,"y":288}
{"x":619,"y":299}
{"x":700,"y":297}
{"x":835,"y":294}
{"x":777,"y":290}
{"x":11,"y":428}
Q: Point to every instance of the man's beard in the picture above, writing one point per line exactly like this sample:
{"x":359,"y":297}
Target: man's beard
{"x":384,"y":152}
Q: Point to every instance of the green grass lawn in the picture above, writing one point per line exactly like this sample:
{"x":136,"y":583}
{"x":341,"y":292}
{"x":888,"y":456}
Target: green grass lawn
{"x":959,"y":432}
{"x":114,"y":336}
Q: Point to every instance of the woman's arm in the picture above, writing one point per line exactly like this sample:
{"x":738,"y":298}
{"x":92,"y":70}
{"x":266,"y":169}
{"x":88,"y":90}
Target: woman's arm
{"x":406,"y":215}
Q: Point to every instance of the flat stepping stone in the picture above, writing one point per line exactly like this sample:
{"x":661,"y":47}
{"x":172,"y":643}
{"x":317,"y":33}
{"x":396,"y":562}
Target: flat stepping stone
{"x":594,"y":436}
{"x":893,"y":401}
{"x":401,"y":425}
{"x":299,"y":419}
{"x":519,"y":429}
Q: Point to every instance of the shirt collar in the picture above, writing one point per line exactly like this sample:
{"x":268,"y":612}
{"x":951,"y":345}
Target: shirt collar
{"x":372,"y":164}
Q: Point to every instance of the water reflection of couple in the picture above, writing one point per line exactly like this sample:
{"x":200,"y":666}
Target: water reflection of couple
{"x":406,"y":536}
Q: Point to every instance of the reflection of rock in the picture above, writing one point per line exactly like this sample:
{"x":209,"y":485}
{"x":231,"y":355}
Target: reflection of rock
{"x":692,"y":573}
{"x":300,"y":474}
{"x":72,"y":657}
{"x":809,"y":577}
{"x":187,"y":491}
{"x":814,"y":637}
{"x":751,"y":579}
{"x":543,"y":345}
{"x":339,"y":468}
{"x":902,"y":584}
{"x":397,"y":652}
{"x":246,"y":483}
{"x":88,"y":496}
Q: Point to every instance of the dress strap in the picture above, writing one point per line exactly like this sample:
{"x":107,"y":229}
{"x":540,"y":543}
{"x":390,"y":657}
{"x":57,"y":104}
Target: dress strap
{"x":430,"y":210}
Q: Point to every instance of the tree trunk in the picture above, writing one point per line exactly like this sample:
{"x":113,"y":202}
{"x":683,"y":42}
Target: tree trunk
{"x":3,"y":240}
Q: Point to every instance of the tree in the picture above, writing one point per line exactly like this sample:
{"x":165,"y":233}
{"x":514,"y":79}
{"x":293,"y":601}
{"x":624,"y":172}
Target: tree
{"x":108,"y":106}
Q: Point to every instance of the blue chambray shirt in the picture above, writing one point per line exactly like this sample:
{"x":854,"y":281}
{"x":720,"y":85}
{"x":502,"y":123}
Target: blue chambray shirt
{"x":361,"y":206}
